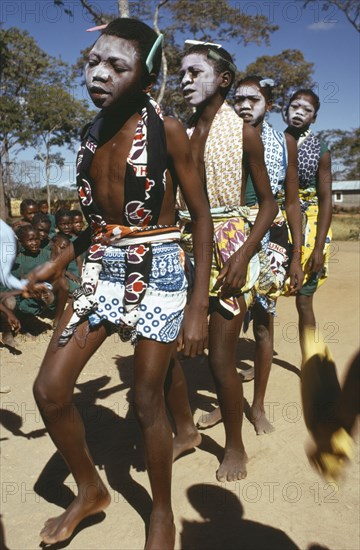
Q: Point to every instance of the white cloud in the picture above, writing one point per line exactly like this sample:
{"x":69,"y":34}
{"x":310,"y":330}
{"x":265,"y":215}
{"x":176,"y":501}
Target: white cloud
{"x":321,"y":26}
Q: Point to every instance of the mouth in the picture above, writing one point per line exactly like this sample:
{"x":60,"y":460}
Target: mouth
{"x":98,"y":91}
{"x":187,"y":92}
{"x":297,"y":120}
{"x":245,"y":114}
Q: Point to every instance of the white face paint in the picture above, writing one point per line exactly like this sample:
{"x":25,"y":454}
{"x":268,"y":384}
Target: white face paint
{"x":250,"y":104}
{"x":301,"y":112}
{"x":113,"y":71}
{"x":199,"y":80}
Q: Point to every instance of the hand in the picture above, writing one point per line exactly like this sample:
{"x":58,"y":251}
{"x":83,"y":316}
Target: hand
{"x":315,"y":263}
{"x":232,"y":277}
{"x":296,"y":275}
{"x":49,"y":271}
{"x":13,"y":321}
{"x":193,"y":335}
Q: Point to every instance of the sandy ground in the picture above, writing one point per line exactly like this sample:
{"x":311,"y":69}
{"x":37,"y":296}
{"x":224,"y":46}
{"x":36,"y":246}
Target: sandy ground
{"x":282,"y":504}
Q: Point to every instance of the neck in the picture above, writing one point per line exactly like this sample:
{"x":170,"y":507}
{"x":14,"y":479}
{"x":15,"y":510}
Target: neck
{"x":296,"y":132}
{"x":206,"y":112}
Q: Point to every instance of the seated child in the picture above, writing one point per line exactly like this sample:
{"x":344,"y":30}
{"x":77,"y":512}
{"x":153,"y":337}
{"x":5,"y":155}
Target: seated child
{"x":64,"y":225}
{"x":58,"y":243}
{"x":32,"y":256}
{"x":28,"y":209}
{"x":42,"y":223}
{"x":44,"y":209}
{"x":78,"y":222}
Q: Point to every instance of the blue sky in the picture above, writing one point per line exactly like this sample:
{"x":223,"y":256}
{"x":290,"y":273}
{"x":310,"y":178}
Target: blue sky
{"x":325,"y":38}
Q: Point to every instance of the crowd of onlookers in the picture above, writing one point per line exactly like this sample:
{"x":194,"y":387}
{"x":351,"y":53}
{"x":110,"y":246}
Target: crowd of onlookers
{"x":41,"y":236}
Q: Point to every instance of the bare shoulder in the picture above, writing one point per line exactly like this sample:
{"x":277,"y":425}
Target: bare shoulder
{"x":251,"y":138}
{"x":173,"y":126}
{"x":176,"y":137}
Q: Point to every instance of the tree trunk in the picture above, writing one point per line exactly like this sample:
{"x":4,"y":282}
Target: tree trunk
{"x":47,"y":172}
{"x":164,"y":59}
{"x":123,"y":8}
{"x":3,"y":212}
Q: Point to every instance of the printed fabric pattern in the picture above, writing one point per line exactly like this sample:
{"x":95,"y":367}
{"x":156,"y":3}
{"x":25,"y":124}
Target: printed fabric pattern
{"x":145,"y":181}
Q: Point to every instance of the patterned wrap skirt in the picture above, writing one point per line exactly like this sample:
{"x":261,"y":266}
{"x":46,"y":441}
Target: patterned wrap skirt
{"x":161,"y":310}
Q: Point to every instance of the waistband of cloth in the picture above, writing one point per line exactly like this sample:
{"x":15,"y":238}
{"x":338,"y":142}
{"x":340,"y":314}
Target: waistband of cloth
{"x":120,"y":235}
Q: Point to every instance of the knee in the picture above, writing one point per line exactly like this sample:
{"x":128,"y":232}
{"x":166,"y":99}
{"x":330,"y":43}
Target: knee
{"x":10,"y":302}
{"x":48,"y":396}
{"x":148,"y":403}
{"x":303,"y":304}
{"x":262,"y":334}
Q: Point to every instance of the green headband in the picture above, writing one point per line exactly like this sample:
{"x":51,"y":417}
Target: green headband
{"x":211,"y":54}
{"x":217,"y":57}
{"x":150,"y":58}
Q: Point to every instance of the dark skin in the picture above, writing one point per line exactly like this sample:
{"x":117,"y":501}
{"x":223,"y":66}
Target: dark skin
{"x":252,"y":104}
{"x":116,"y":83}
{"x":206,"y":88}
{"x":27,"y":212}
{"x":301,"y":114}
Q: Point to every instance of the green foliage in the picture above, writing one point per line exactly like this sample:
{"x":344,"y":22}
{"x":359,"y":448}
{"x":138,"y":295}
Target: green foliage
{"x":37,"y":105}
{"x":345,"y":152}
{"x":351,"y":9}
{"x":288,"y":69}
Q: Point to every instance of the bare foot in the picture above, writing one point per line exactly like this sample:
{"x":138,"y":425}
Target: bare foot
{"x":261,"y":424}
{"x":233,"y":467}
{"x":207,"y":420}
{"x":186,"y":442}
{"x":161,"y":534}
{"x":93,"y":501}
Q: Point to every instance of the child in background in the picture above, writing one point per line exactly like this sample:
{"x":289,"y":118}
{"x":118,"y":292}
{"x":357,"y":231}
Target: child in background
{"x":44,"y":209}
{"x":58,"y":243}
{"x":314,"y":166}
{"x":31,"y":257}
{"x":64,"y":225}
{"x":28,"y":209}
{"x":78,"y":222}
{"x":42,"y":223}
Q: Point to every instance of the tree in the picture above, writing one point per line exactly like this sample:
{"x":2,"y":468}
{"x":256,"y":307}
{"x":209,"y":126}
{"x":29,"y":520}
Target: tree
{"x":345,"y":152}
{"x":56,"y":118}
{"x":351,"y":9}
{"x":17,"y":49}
{"x":36,"y":105}
{"x":289,"y":70}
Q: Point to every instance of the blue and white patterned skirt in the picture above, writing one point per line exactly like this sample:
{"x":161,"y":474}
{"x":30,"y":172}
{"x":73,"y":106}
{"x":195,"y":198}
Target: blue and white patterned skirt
{"x":161,"y":311}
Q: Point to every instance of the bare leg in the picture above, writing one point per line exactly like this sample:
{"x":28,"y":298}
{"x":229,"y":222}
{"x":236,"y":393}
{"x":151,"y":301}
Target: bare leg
{"x":223,"y":337}
{"x":187,"y":437}
{"x":263,"y":326}
{"x":7,"y":334}
{"x":62,"y":294}
{"x":304,"y":305}
{"x":53,"y":391}
{"x":151,"y":362}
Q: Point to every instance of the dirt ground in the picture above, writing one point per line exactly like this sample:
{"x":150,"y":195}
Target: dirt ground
{"x":282,"y":504}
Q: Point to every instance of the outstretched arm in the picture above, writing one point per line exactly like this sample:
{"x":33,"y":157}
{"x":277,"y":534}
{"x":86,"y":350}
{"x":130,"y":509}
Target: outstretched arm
{"x":53,"y":270}
{"x":185,"y":173}
{"x":293,"y":214}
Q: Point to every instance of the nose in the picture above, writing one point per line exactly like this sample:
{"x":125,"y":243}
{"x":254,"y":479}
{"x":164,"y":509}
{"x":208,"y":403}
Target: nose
{"x":245,"y":105}
{"x":100,"y":72}
{"x":186,"y":79}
